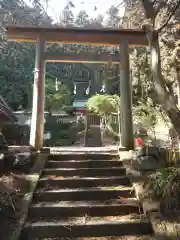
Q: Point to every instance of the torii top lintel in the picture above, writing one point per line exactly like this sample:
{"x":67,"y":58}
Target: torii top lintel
{"x":90,"y":36}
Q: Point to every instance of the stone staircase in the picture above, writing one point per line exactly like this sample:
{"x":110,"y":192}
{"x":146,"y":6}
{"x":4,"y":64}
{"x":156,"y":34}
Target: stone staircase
{"x":85,"y":196}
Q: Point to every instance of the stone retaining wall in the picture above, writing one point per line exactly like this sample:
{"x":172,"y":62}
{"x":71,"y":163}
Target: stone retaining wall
{"x":33,"y":176}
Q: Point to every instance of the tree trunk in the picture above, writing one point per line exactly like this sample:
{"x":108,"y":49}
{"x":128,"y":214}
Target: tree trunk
{"x":139,"y":86}
{"x":163,"y":97}
{"x":178,"y":87}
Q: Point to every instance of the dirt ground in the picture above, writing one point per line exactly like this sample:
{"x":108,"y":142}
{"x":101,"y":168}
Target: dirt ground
{"x":13,"y":186}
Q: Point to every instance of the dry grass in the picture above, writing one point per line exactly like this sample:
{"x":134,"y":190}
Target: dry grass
{"x":12,"y":189}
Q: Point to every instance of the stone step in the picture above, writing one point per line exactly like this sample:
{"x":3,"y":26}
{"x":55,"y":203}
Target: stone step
{"x":71,"y":182}
{"x":85,"y":172}
{"x":83,"y":194}
{"x":83,"y":226}
{"x":132,"y":237}
{"x":58,"y":210}
{"x":121,"y":200}
{"x":83,"y":156}
{"x":92,"y":143}
{"x":83,"y":164}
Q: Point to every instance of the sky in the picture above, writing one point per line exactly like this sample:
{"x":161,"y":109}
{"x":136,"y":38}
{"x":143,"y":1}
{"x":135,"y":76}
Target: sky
{"x":54,"y":7}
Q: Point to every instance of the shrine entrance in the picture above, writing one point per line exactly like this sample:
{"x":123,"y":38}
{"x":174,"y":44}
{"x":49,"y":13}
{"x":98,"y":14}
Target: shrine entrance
{"x":109,"y":37}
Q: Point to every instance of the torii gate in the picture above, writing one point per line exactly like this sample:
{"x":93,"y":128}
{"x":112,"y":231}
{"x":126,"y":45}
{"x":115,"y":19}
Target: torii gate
{"x":115,"y":37}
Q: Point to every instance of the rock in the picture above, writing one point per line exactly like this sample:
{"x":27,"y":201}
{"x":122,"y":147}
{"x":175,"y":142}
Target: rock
{"x":3,"y":144}
{"x":126,"y":155}
{"x":9,"y":160}
{"x":21,"y":182}
{"x":141,"y":132}
{"x":147,"y":163}
{"x":173,"y":134}
{"x":6,"y":211}
{"x":170,"y":205}
{"x":148,"y":151}
{"x":14,"y":183}
{"x":150,"y":206}
{"x":22,"y":159}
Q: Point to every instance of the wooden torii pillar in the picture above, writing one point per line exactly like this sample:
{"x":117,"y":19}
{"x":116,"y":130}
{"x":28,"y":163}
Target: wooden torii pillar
{"x":37,"y":120}
{"x":127,"y":135}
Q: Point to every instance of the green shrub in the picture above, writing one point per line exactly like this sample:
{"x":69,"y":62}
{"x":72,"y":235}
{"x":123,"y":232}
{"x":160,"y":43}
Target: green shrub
{"x":165,"y":182}
{"x":62,"y":133}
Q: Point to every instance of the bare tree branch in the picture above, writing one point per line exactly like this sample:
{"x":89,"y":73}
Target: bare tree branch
{"x":170,"y":16}
{"x":121,"y":3}
{"x":157,"y":8}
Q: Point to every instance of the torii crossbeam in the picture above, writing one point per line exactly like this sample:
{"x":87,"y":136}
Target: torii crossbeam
{"x":88,"y":57}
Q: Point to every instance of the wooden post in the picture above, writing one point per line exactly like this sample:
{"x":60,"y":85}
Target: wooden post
{"x":37,"y":120}
{"x":127,"y":136}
